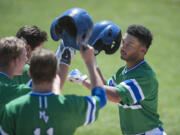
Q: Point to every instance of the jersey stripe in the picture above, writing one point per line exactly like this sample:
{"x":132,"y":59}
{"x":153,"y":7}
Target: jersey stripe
{"x":135,"y":106}
{"x":92,"y":118}
{"x":40,"y":102}
{"x":29,"y":83}
{"x":87,"y":113}
{"x":134,"y":89}
{"x":33,"y":93}
{"x":130,"y":91}
{"x":45,"y":102}
{"x":2,"y":132}
{"x":139,"y":88}
{"x":137,"y":66}
{"x":91,"y":110}
{"x":111,"y":82}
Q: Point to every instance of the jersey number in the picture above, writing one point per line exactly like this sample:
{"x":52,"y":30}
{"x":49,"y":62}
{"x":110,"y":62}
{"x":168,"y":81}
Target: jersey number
{"x":37,"y":131}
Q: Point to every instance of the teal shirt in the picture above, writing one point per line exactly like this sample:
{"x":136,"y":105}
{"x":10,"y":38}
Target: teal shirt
{"x":24,"y":78}
{"x":9,"y":90}
{"x":48,"y":114}
{"x":138,"y":89}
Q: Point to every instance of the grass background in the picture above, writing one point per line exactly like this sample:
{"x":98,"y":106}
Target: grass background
{"x":162,"y":17}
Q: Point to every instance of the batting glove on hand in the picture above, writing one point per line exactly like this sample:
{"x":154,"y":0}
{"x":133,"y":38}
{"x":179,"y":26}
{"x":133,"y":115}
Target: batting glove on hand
{"x":65,"y":54}
{"x":76,"y":76}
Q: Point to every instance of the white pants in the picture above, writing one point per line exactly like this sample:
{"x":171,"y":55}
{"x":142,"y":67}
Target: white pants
{"x":155,"y":131}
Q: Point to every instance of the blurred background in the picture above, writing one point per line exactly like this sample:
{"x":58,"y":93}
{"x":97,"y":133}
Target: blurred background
{"x":162,"y":17}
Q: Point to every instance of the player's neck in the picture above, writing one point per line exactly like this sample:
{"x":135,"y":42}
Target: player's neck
{"x":43,"y":87}
{"x":131,"y":64}
{"x":7,"y":72}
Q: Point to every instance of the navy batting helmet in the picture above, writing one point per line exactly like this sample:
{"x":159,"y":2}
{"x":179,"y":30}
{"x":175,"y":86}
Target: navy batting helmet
{"x":74,"y":26}
{"x":106,"y":36}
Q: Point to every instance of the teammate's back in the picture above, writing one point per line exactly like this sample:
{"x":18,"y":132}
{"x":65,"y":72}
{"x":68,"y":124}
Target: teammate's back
{"x":46,"y":113}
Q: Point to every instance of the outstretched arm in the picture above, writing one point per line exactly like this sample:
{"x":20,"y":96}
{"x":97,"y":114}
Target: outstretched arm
{"x":111,"y":92}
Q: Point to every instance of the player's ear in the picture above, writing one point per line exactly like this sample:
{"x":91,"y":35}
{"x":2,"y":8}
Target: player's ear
{"x":143,"y":49}
{"x":28,"y":48}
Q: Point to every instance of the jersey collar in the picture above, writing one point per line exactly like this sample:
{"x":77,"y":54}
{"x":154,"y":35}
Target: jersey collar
{"x":1,"y":73}
{"x":33,"y":93}
{"x":137,"y":66}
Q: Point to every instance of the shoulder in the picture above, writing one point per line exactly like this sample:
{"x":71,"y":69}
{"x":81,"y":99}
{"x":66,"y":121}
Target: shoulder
{"x":74,"y":99}
{"x":146,"y":76}
{"x":145,"y":70}
{"x":22,"y":88}
{"x":26,"y":67}
{"x":13,"y":86}
{"x":118,"y":72}
{"x":120,"y":69}
{"x":17,"y":103}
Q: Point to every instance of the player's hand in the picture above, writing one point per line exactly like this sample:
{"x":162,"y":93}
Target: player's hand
{"x":76,"y":76}
{"x":65,"y":54}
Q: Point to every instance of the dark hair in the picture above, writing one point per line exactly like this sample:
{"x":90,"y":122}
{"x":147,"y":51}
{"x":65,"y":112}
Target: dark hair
{"x":32,"y":34}
{"x":141,"y":33}
{"x":10,"y":48}
{"x":43,"y":66}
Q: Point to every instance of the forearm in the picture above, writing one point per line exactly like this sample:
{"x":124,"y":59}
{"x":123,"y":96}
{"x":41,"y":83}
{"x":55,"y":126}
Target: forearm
{"x":63,"y":72}
{"x":56,"y":85}
{"x":95,"y":79}
{"x":112,"y":94}
{"x":87,"y":84}
{"x":101,"y":75}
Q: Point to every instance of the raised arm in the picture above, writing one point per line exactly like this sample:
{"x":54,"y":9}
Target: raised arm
{"x":64,"y":56}
{"x":87,"y":83}
{"x":96,"y":82}
{"x":88,"y":57}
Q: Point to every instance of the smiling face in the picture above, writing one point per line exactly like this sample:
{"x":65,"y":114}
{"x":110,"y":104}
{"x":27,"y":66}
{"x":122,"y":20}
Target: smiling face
{"x":131,"y":49}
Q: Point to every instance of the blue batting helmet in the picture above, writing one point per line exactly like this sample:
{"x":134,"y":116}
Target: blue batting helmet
{"x":106,"y":36}
{"x":74,"y":27}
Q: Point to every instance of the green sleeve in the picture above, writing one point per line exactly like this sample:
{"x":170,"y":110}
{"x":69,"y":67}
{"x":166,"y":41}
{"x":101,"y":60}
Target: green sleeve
{"x":7,"y":124}
{"x":135,"y":90}
{"x":84,"y":109}
{"x":23,"y":89}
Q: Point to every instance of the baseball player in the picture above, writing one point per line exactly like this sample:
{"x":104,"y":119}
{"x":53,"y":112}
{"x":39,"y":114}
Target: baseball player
{"x":134,"y":87}
{"x":34,"y":37}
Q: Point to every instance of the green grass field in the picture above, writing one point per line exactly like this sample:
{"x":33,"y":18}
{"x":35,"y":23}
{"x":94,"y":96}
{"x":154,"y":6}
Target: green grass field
{"x":162,"y":17}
